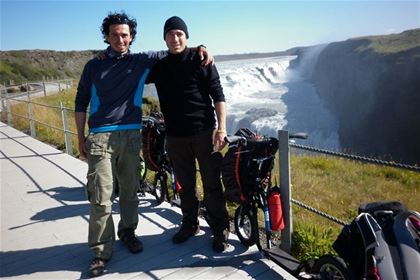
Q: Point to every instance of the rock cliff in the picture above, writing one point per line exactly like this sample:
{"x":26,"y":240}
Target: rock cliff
{"x":372,"y":85}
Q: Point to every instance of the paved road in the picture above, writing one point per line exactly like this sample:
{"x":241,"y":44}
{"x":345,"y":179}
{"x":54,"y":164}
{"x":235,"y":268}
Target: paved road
{"x":37,"y":91}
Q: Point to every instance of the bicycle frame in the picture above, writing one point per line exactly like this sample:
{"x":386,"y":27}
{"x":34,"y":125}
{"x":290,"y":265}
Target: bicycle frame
{"x":246,"y":214}
{"x":258,"y":199}
{"x":175,"y":196}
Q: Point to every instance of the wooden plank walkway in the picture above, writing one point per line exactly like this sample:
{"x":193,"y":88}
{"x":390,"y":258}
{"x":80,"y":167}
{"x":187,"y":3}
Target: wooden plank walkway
{"x":44,"y":219}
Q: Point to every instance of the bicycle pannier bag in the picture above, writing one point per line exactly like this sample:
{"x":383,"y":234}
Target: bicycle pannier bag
{"x":240,"y":169}
{"x":153,"y":137}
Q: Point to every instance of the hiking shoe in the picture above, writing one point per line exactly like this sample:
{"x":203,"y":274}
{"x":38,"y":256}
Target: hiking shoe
{"x":184,"y":233}
{"x":97,"y":267}
{"x":219,"y":245}
{"x":220,"y":241}
{"x":130,"y":240}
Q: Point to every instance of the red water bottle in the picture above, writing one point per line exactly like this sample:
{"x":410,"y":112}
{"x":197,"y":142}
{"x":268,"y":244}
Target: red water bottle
{"x":178,"y":187}
{"x":274,"y":207}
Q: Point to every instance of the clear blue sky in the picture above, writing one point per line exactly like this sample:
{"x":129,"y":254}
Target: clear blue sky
{"x":225,"y":27}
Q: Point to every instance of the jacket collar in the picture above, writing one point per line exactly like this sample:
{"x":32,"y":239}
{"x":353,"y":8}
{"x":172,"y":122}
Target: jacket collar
{"x":113,"y":54}
{"x":179,"y":56}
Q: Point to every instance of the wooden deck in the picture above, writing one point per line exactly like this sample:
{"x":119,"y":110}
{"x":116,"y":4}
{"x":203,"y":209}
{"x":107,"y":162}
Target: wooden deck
{"x":44,"y":221}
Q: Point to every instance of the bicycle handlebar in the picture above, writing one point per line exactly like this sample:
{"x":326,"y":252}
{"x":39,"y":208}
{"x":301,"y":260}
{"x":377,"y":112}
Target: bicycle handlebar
{"x":298,"y":135}
{"x":151,"y":120}
{"x":148,"y":119}
{"x":235,"y":139}
{"x":242,"y":140}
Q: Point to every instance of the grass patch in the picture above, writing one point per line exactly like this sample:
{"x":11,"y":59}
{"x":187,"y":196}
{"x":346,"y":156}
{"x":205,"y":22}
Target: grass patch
{"x":311,"y":241}
{"x":392,"y":43}
{"x":338,"y":186}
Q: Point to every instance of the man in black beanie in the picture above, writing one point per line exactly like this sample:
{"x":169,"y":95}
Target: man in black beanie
{"x":190,"y":97}
{"x":175,"y":23}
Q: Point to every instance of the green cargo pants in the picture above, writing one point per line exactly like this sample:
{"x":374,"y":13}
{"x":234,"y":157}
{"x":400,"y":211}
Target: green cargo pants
{"x":113,"y":158}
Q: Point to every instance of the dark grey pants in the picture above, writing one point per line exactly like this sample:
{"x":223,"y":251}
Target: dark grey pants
{"x":184,"y":151}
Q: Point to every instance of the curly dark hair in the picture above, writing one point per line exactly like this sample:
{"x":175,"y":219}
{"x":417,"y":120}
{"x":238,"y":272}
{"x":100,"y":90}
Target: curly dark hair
{"x":118,"y":18}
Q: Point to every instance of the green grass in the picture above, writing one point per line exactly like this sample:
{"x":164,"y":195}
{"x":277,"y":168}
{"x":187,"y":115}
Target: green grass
{"x":338,"y":186}
{"x":392,"y":43}
{"x":333,"y":185}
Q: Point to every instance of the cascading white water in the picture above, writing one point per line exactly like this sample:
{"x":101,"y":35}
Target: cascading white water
{"x":265,"y":96}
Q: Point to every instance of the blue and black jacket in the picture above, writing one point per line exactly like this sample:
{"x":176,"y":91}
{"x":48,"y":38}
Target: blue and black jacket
{"x":113,"y":86}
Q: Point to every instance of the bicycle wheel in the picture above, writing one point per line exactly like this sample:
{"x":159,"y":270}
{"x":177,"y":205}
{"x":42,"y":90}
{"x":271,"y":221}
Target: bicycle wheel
{"x":331,"y":267}
{"x":174,"y":188}
{"x":160,"y":187}
{"x":246,"y":225}
{"x":174,"y":197}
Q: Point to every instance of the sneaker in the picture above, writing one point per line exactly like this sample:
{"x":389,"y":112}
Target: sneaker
{"x":97,"y":267}
{"x":220,"y":241}
{"x":184,"y":233}
{"x":130,"y":240}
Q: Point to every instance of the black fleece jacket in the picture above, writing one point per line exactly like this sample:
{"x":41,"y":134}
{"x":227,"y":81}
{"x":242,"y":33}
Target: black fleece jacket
{"x":187,"y":92}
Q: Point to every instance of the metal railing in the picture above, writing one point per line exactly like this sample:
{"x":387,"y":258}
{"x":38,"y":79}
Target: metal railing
{"x":43,"y":87}
{"x":36,"y":89}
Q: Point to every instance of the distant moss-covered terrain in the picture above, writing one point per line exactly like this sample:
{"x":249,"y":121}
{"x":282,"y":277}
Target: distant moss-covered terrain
{"x":372,"y":86}
{"x":35,"y":65}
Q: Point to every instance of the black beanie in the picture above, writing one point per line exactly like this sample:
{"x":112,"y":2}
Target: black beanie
{"x":175,"y":23}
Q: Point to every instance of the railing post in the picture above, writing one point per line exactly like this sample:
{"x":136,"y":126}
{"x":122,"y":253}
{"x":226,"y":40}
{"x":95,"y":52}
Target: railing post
{"x":3,"y":96}
{"x":31,"y":116}
{"x":44,"y":88}
{"x":9,"y":112}
{"x":67,"y":135}
{"x":3,"y":104}
{"x":285,"y":190}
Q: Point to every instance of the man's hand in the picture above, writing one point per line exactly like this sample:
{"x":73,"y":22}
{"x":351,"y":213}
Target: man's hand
{"x":82,"y":150}
{"x":80,"y":118}
{"x":219,"y":134}
{"x":218,"y":140}
{"x":205,"y":56}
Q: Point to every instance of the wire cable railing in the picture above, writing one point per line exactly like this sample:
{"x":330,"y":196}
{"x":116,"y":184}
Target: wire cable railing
{"x":356,"y":157}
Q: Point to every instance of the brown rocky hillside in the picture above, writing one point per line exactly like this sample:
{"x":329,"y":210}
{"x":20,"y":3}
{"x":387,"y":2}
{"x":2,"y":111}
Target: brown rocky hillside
{"x":33,"y":65}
